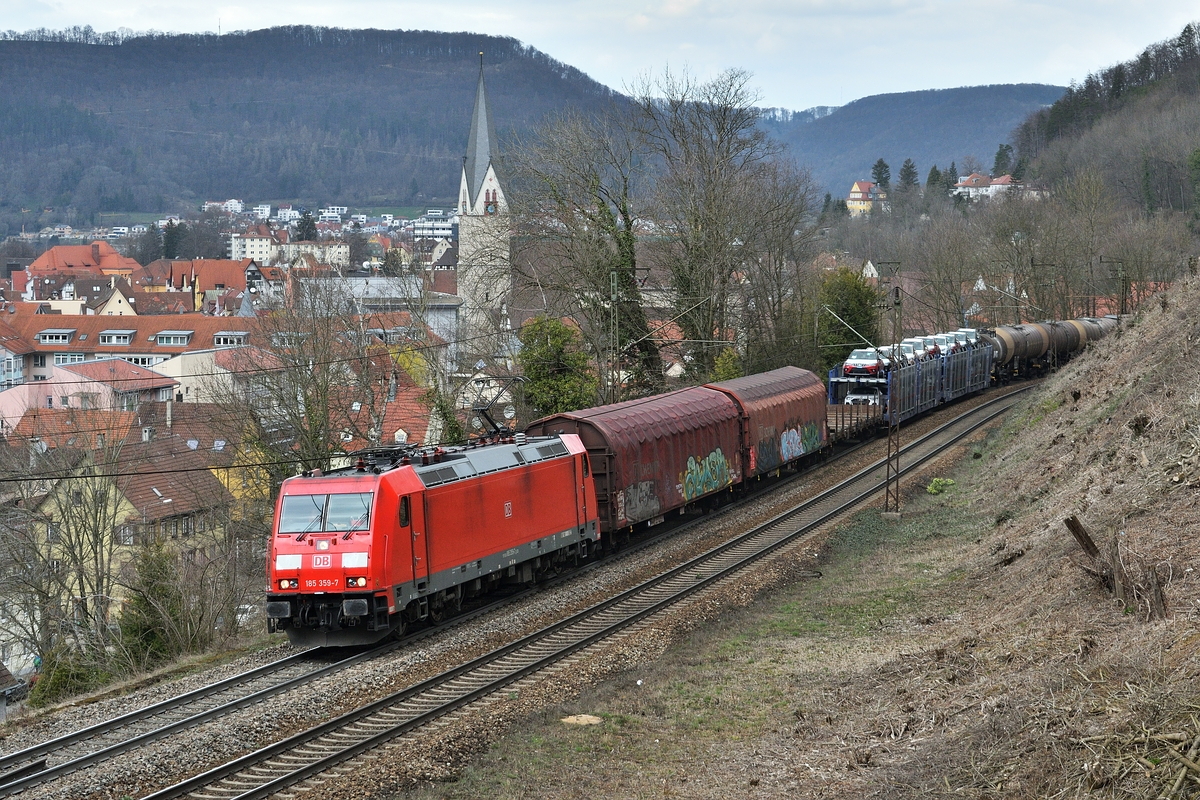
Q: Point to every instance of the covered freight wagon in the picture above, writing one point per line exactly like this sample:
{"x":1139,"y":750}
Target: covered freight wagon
{"x":656,"y":454}
{"x":783,"y":416}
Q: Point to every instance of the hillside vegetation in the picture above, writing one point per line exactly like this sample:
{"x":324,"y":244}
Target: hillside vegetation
{"x":1133,"y":124}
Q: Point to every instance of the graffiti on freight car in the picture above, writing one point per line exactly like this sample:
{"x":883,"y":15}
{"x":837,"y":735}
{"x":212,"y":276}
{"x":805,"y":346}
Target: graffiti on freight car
{"x":640,"y":501}
{"x":705,"y":475}
{"x":796,"y":442}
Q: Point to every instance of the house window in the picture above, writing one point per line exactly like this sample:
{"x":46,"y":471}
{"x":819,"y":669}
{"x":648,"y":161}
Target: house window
{"x":76,"y":496}
{"x":164,"y":394}
{"x":147,"y":434}
{"x":49,"y":401}
{"x":53,"y":531}
{"x":64,"y":401}
{"x":229,"y":339}
{"x":39,"y":359}
{"x":68,"y":358}
{"x":185,"y":526}
{"x":125,"y":534}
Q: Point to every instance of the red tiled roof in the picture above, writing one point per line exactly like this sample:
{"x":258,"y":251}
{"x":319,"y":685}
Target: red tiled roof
{"x":72,"y":427}
{"x":152,"y":303}
{"x":99,"y":256}
{"x":87,"y":329}
{"x":121,"y":375}
{"x":168,"y":479}
{"x":12,"y":341}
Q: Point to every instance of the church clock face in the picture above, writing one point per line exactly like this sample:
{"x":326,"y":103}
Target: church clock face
{"x":490,"y":208}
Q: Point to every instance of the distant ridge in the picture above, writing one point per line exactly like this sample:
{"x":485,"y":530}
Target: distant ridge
{"x":94,"y":126}
{"x":934,"y":126}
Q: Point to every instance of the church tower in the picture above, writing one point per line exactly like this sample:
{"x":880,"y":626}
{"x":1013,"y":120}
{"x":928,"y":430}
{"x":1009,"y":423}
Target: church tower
{"x":484,"y":273}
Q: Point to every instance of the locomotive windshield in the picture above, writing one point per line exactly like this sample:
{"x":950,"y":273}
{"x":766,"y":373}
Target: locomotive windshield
{"x":312,"y":513}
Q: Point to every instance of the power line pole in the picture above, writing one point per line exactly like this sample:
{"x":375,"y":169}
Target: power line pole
{"x":614,"y":348}
{"x":891,"y":498}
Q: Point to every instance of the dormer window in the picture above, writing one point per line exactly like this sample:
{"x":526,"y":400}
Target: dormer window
{"x":116,"y":337}
{"x":229,"y":339}
{"x":55,"y":336}
{"x":174,"y":338}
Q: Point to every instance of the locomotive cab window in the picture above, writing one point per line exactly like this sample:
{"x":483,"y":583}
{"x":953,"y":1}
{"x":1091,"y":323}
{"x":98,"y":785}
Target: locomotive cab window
{"x":310,"y":513}
{"x":404,"y":512}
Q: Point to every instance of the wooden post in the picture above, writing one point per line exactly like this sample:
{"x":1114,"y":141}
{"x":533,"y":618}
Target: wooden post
{"x":1081,"y":535}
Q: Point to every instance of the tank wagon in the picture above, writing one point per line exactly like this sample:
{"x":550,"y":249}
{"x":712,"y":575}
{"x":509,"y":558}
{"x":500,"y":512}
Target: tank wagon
{"x":1032,"y":348}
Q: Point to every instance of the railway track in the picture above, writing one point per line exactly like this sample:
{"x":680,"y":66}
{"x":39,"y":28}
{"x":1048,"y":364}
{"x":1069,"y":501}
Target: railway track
{"x":321,"y":749}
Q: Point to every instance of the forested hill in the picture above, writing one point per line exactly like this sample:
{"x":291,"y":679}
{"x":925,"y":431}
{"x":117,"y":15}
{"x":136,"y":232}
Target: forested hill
{"x":935,"y":126}
{"x":161,"y":122}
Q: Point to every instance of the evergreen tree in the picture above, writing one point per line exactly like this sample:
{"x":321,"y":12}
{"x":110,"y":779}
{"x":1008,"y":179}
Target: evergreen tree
{"x":306,"y":228}
{"x":933,"y":183}
{"x":395,"y":263}
{"x":908,"y":176}
{"x":828,"y":202}
{"x":881,"y":173}
{"x":1018,"y":171}
{"x":847,"y":294}
{"x":147,"y":247}
{"x":949,"y":179}
{"x":1002,"y":165}
{"x":173,"y":239}
{"x":558,"y":372}
{"x":358,"y":245}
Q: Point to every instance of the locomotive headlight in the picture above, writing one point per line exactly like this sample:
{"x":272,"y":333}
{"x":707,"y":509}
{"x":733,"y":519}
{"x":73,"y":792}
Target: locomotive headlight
{"x":322,"y":544}
{"x":360,"y":583}
{"x":288,"y":583}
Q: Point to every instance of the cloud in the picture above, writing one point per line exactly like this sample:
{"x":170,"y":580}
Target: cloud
{"x":802,"y":52}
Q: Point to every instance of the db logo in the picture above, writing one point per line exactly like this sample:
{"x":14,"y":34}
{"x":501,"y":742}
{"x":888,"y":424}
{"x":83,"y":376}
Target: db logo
{"x":322,"y":561}
{"x":508,"y":509}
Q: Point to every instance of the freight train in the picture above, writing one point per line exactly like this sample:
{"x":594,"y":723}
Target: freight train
{"x":407,"y":534}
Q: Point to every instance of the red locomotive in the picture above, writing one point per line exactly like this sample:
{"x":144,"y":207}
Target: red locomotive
{"x":360,"y":553}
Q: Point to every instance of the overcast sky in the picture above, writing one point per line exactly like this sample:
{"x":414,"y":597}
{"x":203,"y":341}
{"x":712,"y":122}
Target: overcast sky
{"x":803,"y":53}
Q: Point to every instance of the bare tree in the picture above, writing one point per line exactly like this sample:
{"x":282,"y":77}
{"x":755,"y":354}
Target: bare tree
{"x":711,"y":156}
{"x":322,"y":378}
{"x":576,"y":211}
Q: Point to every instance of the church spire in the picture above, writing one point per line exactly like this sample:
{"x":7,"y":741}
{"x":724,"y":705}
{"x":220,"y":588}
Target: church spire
{"x":480,"y":144}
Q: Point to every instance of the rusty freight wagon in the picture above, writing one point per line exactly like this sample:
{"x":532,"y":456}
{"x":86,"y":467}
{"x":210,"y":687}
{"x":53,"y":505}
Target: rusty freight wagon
{"x":783,"y":417}
{"x":656,"y":454}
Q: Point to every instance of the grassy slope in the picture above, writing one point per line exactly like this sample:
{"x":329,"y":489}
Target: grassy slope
{"x":922,"y":664}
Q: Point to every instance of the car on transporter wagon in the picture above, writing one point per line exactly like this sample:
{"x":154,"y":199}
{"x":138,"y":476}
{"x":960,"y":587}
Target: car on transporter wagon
{"x":865,"y":363}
